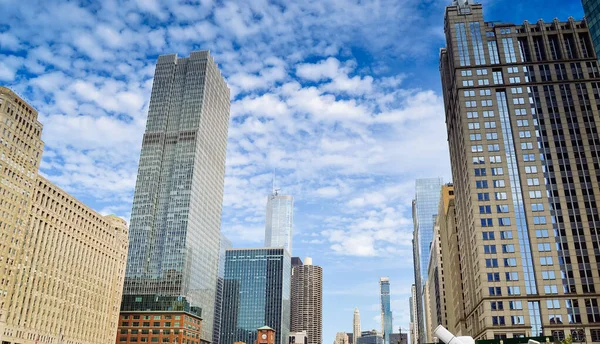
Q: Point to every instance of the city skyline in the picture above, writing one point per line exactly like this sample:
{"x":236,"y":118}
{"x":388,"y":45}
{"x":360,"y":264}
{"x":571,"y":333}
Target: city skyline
{"x":89,"y":74}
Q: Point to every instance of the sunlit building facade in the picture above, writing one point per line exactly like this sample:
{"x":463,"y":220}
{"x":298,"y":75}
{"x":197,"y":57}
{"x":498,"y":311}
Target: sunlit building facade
{"x":386,"y":309}
{"x":62,"y":265}
{"x":522,"y":112}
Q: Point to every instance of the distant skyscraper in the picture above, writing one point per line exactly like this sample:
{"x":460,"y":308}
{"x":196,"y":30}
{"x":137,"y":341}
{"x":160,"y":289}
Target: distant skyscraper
{"x":425,"y":206}
{"x":176,"y":215}
{"x":280,"y":221}
{"x":307,"y":301}
{"x":356,"y":326}
{"x":61,"y":263}
{"x":256,"y":292}
{"x":522,"y":119}
{"x":225,"y":245}
{"x":296,"y":261}
{"x":398,"y":338}
{"x":386,"y":309}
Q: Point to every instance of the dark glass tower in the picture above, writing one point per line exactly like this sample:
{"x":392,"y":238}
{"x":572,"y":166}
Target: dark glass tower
{"x":256,"y":292}
{"x":176,"y":217}
{"x":592,"y":15}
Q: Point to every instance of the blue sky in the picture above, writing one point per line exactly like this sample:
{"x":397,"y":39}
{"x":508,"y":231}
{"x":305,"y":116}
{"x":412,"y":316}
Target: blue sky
{"x":340,"y":98}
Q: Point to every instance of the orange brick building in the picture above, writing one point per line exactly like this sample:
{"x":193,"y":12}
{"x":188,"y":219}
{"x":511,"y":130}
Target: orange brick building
{"x":176,"y":327}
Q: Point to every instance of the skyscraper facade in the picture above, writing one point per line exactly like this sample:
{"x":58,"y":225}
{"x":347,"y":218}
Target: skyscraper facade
{"x":307,"y":301}
{"x":522,"y":116}
{"x":225,"y":244}
{"x":256,"y":292}
{"x":356,"y":326}
{"x":62,"y":264}
{"x":414,"y":330}
{"x":341,"y":338}
{"x":592,"y":16}
{"x":386,"y":309}
{"x":176,"y":216}
{"x":280,"y":221}
{"x":427,"y":192}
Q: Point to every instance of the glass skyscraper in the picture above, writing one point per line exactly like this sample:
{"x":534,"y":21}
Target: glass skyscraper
{"x":256,"y":292}
{"x":386,"y":310}
{"x":176,"y":217}
{"x":425,"y":207}
{"x":280,"y":221}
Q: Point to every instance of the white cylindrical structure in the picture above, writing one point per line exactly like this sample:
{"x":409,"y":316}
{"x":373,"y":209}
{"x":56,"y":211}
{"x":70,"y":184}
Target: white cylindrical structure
{"x":308,"y":261}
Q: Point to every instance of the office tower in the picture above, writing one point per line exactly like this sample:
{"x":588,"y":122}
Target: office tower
{"x":451,"y":298}
{"x":62,"y":263}
{"x":522,"y":116}
{"x":176,"y":216}
{"x":592,"y":16}
{"x":356,"y":326}
{"x":307,"y":301}
{"x":425,"y":204}
{"x":386,"y":309}
{"x":256,"y":291}
{"x":224,"y":245}
{"x":341,"y":338}
{"x":280,"y":221}
{"x":173,"y":326}
{"x":370,"y":337}
{"x":350,"y":337}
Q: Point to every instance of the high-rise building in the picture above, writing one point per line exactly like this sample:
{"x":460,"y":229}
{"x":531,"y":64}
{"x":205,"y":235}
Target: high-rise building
{"x":425,"y":204}
{"x":256,"y":291}
{"x":350,"y":337}
{"x":435,"y":285}
{"x":225,"y":244}
{"x":522,"y":116}
{"x":62,"y":263}
{"x":386,"y":309}
{"x":592,"y":16}
{"x":280,"y":221}
{"x":296,"y":261}
{"x":356,"y":326}
{"x":176,"y":216}
{"x":451,"y":298}
{"x":307,"y":301}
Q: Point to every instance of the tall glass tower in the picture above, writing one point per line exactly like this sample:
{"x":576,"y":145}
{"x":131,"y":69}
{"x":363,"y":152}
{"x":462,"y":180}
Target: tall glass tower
{"x":176,"y":217}
{"x":425,"y":207}
{"x":386,"y":310}
{"x":280,"y":221}
{"x":256,"y":292}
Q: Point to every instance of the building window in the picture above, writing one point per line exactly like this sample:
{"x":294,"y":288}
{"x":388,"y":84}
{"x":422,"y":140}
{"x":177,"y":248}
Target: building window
{"x":463,"y":47}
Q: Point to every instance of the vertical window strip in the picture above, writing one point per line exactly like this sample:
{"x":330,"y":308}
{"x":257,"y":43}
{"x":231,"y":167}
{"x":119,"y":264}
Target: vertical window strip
{"x":509,"y":50}
{"x":493,"y":51}
{"x":478,"y":51}
{"x":463,"y":48}
{"x":517,"y":195}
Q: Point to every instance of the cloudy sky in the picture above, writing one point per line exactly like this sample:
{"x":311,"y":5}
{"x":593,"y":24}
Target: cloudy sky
{"x":340,"y":99}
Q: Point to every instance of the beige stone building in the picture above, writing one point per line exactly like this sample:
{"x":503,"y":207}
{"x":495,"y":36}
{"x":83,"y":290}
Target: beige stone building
{"x":522,"y":112}
{"x":61,"y":264}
